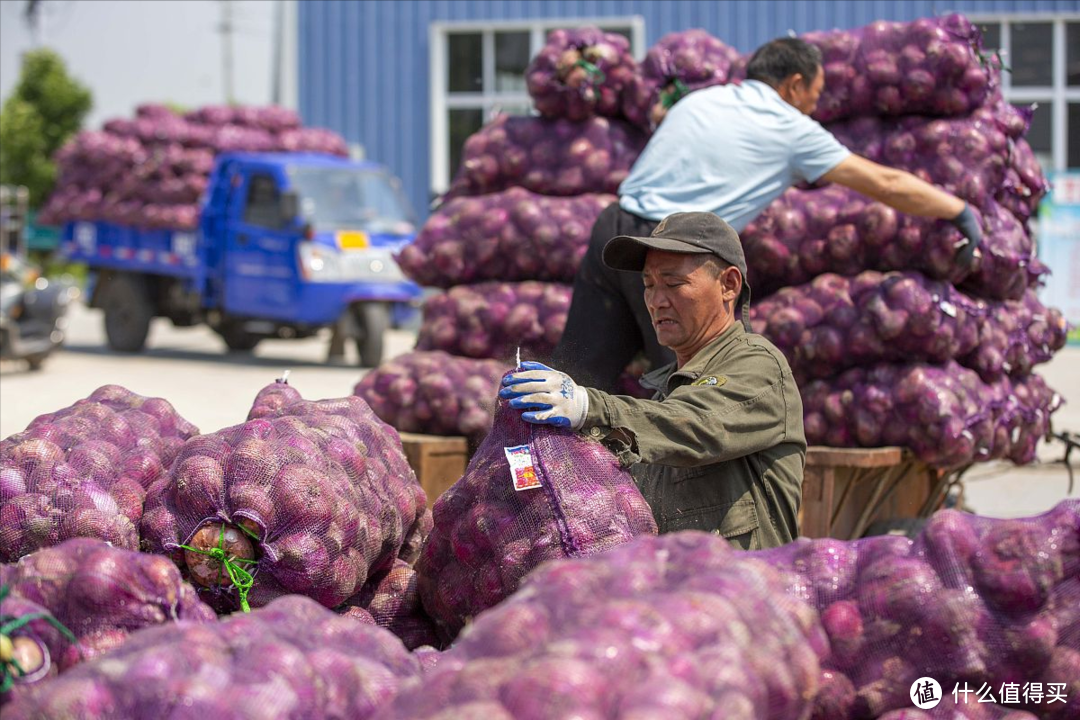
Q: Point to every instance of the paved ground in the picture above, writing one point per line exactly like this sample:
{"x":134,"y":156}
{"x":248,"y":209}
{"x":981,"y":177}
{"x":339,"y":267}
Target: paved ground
{"x":213,"y":389}
{"x":188,"y":366}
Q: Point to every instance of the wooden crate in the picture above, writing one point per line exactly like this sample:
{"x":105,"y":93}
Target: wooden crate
{"x":847,"y":489}
{"x":438,"y":461}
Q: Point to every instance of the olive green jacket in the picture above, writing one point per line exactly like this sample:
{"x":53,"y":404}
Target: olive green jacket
{"x":721,"y":446}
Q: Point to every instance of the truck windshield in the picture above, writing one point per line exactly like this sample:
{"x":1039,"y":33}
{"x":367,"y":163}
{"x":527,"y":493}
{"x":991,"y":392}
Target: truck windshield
{"x":351,"y":198}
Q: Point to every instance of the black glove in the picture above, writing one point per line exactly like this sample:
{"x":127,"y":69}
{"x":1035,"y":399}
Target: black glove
{"x":968,"y":225}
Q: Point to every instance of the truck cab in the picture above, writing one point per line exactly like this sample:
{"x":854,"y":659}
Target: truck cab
{"x":286,"y":245}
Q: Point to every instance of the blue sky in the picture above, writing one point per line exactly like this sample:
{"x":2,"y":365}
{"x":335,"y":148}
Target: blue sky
{"x":133,"y":51}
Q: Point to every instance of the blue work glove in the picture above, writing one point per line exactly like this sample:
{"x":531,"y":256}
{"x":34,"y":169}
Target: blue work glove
{"x":549,"y":396}
{"x":968,"y":225}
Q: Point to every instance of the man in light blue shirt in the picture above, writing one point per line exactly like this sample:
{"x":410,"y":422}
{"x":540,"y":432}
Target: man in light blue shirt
{"x":730,"y":150}
{"x":761,"y":145}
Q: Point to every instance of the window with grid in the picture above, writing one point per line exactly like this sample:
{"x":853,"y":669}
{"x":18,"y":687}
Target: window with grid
{"x":1042,"y":54}
{"x":478,"y":70}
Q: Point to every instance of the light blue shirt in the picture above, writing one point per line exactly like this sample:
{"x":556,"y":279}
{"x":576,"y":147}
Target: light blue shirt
{"x":728,"y":149}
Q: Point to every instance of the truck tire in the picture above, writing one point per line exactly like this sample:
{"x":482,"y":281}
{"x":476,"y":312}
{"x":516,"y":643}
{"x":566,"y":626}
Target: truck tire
{"x":128,"y":313}
{"x":373,"y":319}
{"x":236,"y":338}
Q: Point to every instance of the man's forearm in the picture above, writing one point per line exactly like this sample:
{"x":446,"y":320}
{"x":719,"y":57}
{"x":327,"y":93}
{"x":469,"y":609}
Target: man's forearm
{"x":896,"y":188}
{"x":908,"y":194}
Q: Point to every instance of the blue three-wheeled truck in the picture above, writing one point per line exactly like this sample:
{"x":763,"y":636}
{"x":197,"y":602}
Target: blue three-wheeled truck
{"x":287,"y":244}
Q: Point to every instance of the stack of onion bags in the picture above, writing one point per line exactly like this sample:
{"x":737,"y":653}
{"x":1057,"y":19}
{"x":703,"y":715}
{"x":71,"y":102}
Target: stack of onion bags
{"x":310,"y":498}
{"x":883,"y":354}
{"x":151,"y":171}
{"x":83,"y":471}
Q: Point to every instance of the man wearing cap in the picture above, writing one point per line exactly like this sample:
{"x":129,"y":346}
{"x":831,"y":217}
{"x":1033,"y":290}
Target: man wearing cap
{"x":721,"y":444}
{"x":730,"y":150}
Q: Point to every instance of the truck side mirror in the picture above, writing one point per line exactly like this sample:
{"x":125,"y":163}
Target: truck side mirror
{"x":290,"y":207}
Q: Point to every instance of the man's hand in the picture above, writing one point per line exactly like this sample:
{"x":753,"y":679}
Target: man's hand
{"x":968,"y":225}
{"x":549,"y":396}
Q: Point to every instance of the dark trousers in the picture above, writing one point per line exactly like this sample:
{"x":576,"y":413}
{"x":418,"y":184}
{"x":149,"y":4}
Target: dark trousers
{"x":608,"y":323}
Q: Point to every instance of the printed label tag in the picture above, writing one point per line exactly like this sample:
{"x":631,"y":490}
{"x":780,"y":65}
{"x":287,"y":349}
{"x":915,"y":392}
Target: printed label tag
{"x":948,"y":308}
{"x":522,"y":471}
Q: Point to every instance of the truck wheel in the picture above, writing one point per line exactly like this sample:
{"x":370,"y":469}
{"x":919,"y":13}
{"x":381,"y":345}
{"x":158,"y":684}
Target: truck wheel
{"x":374,"y":320}
{"x":237,"y":339}
{"x":127,"y":314}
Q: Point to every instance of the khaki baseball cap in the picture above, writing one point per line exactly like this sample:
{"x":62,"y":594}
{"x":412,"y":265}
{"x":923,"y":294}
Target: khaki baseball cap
{"x":685,"y":232}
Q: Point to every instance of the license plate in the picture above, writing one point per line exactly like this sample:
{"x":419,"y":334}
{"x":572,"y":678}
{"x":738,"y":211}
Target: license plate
{"x":352,"y":240}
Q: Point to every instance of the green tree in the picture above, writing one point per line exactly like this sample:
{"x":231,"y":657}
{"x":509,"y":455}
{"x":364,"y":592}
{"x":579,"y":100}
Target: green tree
{"x":46,"y":108}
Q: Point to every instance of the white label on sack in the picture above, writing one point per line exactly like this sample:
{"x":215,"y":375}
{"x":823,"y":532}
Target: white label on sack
{"x":949,"y":309}
{"x":522,"y":472}
{"x":1016,"y":434}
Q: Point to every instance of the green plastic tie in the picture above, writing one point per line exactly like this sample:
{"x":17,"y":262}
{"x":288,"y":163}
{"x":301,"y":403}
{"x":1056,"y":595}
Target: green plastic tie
{"x":596,"y":75}
{"x":239,"y":577}
{"x":985,"y":59}
{"x":1001,"y":62}
{"x":678,"y":91}
{"x":9,"y":624}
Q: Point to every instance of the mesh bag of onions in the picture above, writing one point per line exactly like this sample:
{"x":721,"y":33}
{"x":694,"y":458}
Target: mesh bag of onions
{"x":679,"y":63}
{"x":511,"y":235}
{"x":942,"y":413}
{"x":546,"y":156}
{"x":676,"y":626}
{"x":806,"y":233}
{"x":310,"y":498}
{"x":83,"y":471}
{"x":99,"y":594}
{"x":291,"y":659}
{"x":391,"y":600}
{"x":834,"y":322}
{"x":434,"y":392}
{"x":384,"y":457}
{"x":530,"y":493}
{"x":931,"y":66}
{"x":580,"y":73}
{"x":970,"y":600}
{"x":495,"y":319}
